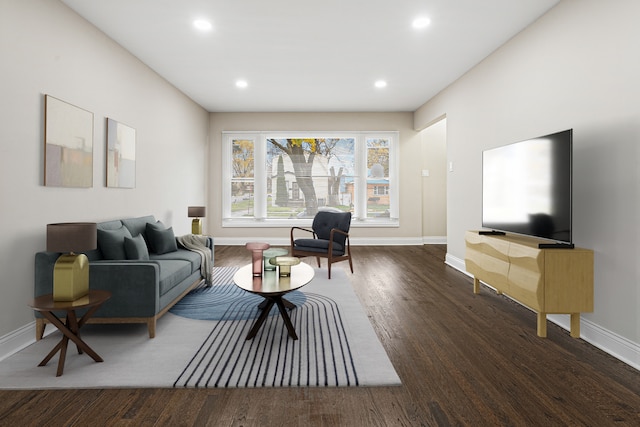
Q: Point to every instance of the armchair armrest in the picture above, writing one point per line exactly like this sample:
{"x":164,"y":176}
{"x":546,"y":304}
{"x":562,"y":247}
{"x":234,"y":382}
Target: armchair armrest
{"x":337,"y":230}
{"x":301,"y":229}
{"x":332,"y":240}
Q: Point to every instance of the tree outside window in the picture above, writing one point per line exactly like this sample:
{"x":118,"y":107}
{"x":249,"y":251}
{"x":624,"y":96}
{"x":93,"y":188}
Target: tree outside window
{"x":308,"y":174}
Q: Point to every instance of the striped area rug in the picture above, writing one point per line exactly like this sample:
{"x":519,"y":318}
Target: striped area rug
{"x":201,"y":343}
{"x":322,"y":356}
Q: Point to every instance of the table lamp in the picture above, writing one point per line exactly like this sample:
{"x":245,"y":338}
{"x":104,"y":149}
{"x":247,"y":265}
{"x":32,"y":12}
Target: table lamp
{"x":71,"y":271}
{"x":196,"y":212}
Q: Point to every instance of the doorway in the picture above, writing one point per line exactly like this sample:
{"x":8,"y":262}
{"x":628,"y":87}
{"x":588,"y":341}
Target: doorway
{"x":434,"y":183}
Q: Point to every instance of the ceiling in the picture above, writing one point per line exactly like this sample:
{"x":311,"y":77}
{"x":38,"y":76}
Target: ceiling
{"x":305,"y":55}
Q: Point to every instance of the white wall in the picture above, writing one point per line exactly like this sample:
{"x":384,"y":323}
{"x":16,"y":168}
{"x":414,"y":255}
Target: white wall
{"x":576,"y":67}
{"x":45,"y":48}
{"x":410,"y":229}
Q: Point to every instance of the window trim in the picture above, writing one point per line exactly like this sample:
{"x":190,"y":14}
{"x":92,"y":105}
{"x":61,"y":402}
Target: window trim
{"x":260,"y":183}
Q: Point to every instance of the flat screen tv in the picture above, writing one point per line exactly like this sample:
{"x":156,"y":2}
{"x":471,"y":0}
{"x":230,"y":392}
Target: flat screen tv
{"x":526,"y":187}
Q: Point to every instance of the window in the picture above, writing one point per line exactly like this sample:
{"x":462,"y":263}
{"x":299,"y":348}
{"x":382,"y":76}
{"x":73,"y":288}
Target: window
{"x":283,"y":178}
{"x":242,"y":177}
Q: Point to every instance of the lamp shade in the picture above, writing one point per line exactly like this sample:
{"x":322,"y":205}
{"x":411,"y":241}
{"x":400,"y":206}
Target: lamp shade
{"x":72,"y":237}
{"x":196,"y":211}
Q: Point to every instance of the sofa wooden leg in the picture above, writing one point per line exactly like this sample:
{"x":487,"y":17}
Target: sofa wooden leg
{"x":40,"y":325}
{"x":151,"y":325}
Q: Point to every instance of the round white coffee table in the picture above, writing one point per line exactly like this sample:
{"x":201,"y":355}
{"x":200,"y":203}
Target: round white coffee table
{"x":272,"y":288}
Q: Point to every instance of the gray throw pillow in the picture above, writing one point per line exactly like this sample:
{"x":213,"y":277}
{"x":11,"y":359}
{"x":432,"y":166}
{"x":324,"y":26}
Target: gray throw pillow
{"x":136,"y":248}
{"x":161,"y":241}
{"x":111,"y":243}
{"x":138,"y":225}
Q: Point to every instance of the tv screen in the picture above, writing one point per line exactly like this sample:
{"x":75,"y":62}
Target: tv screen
{"x":526,"y":187}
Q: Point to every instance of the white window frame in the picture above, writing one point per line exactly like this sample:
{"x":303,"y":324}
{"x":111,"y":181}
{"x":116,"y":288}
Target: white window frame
{"x":359,"y":218}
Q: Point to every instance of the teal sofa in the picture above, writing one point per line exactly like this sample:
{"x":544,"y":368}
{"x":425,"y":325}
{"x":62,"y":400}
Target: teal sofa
{"x":141,"y":263}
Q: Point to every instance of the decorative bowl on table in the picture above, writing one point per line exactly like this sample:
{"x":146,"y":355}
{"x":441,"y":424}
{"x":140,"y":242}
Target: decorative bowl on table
{"x":284,"y":263}
{"x":272,"y":253}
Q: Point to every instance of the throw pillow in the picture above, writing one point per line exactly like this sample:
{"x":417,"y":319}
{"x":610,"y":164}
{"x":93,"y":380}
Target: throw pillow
{"x":111,"y":243}
{"x":161,"y":241}
{"x":136,"y":248}
{"x":138,"y":225}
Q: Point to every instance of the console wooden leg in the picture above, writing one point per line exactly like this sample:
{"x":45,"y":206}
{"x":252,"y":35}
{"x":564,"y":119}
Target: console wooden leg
{"x":476,"y":286}
{"x":575,"y":325}
{"x":542,"y":325}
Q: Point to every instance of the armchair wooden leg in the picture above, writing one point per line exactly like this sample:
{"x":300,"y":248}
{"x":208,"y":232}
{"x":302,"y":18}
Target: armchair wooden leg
{"x":318,"y":258}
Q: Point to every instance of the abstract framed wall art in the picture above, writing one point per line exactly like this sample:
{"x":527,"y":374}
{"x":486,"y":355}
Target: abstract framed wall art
{"x":121,"y":155}
{"x":68,"y":145}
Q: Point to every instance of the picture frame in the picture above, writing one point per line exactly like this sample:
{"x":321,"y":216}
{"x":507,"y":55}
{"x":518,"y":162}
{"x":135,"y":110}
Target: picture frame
{"x":68,"y":145}
{"x":121,"y":155}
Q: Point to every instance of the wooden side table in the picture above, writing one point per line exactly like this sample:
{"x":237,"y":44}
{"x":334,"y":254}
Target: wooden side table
{"x":71,"y":327}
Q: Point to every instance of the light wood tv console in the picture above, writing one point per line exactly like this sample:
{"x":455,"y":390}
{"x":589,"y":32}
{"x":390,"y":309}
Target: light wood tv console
{"x":548,"y":281}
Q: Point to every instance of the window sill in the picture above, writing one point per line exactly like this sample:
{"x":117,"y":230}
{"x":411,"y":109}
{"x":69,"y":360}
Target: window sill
{"x":306,"y":223}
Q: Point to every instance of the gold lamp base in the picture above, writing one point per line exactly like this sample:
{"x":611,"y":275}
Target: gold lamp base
{"x":196,"y":226}
{"x":71,"y":277}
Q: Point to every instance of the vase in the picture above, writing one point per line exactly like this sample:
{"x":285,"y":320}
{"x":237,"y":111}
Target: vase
{"x":256,"y":249}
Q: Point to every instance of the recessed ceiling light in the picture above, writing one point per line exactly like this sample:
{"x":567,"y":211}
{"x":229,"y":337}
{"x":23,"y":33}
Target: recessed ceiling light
{"x":202,"y":24}
{"x":380,"y":84}
{"x":421,"y":22}
{"x":241,"y":84}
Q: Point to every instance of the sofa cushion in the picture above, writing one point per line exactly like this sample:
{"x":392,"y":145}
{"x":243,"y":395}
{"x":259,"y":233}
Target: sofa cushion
{"x":172,"y":272}
{"x":138,"y":225}
{"x":161,"y":241}
{"x":182,"y":254}
{"x":136,"y":248}
{"x":111,"y":242}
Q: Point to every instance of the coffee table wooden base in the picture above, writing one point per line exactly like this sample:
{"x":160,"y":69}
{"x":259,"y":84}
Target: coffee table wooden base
{"x":266,"y":306}
{"x":273,"y":287}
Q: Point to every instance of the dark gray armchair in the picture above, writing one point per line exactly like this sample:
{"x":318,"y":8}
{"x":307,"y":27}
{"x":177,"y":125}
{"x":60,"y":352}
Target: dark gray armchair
{"x":330,"y":231}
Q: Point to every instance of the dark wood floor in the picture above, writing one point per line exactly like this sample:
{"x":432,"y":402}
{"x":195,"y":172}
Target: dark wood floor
{"x":464,"y":360}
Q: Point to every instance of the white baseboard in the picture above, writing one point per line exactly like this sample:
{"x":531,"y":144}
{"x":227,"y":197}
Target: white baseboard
{"x":22,"y":337}
{"x":434,"y":240}
{"x":15,"y":341}
{"x":619,"y":347}
{"x":355,"y":241}
{"x":456,"y":263}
